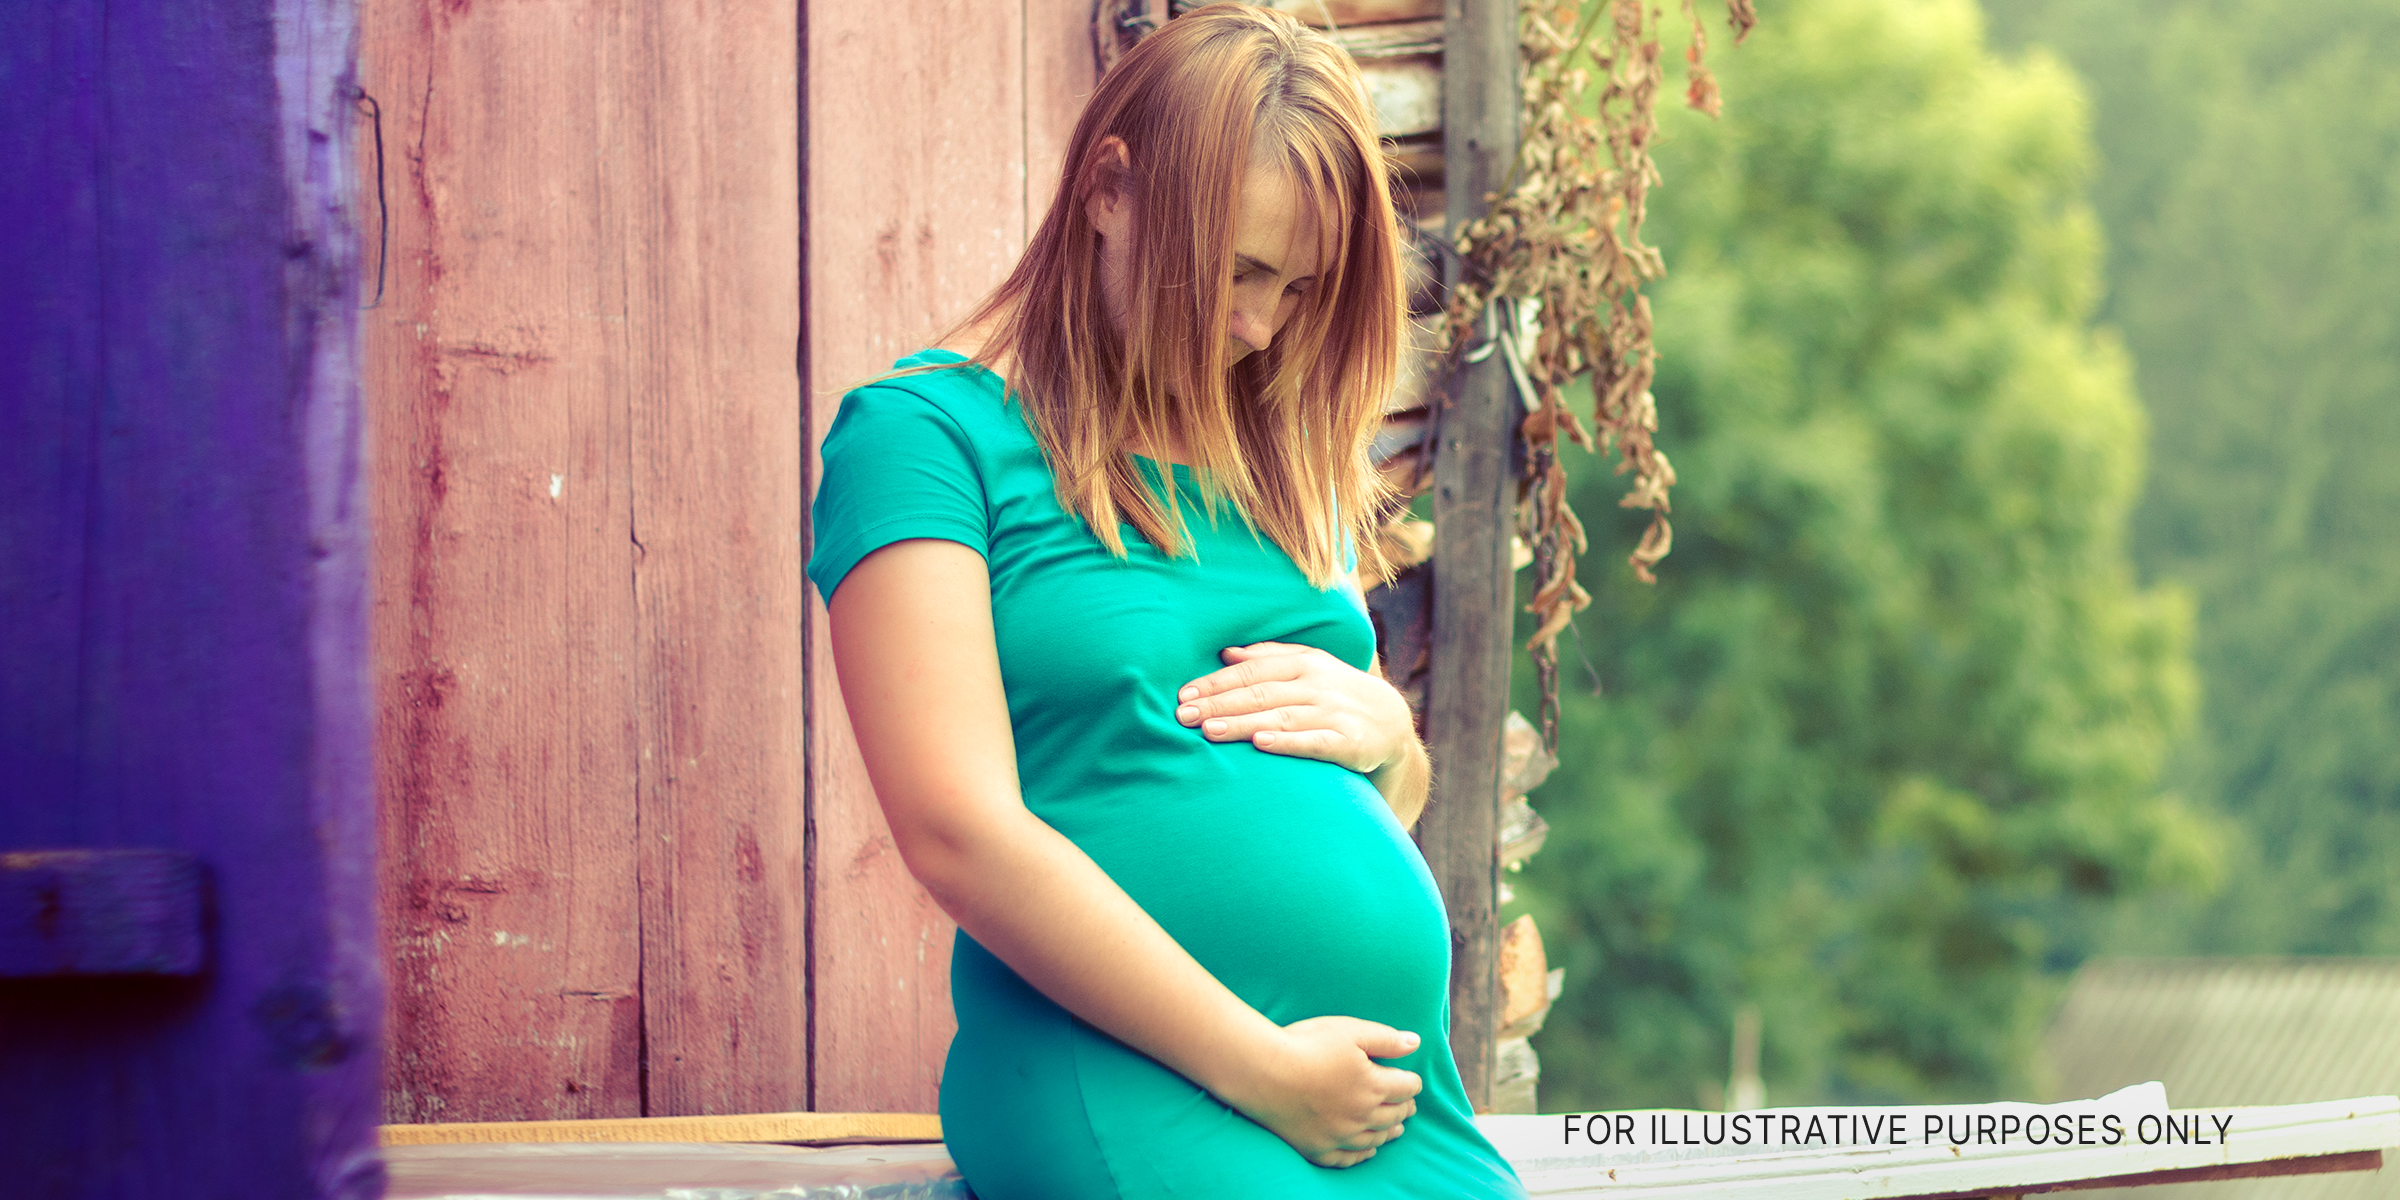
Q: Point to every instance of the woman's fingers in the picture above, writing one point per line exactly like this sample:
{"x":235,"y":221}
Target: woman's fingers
{"x":1250,"y":670}
{"x":1263,"y":650}
{"x":1250,"y":700}
{"x":1336,"y":1103}
{"x":1287,"y":717}
{"x":1299,"y":701}
{"x":1397,"y":1086}
{"x":1368,"y":1139}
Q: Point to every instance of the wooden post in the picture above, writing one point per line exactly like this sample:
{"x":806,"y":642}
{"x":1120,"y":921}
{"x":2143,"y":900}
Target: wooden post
{"x":1474,"y":591}
{"x":184,"y":703}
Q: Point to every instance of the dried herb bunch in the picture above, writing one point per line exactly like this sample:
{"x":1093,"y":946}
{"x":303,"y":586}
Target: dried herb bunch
{"x":1555,"y":272}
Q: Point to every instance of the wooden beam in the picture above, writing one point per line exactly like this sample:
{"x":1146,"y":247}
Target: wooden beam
{"x":746,"y":1127}
{"x":1474,"y":595}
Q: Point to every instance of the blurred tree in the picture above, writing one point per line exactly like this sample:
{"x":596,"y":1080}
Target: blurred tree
{"x":1896,"y":690}
{"x":2251,"y":195}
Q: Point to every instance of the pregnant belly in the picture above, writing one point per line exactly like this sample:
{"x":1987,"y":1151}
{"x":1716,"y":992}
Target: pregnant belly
{"x":1287,"y":878}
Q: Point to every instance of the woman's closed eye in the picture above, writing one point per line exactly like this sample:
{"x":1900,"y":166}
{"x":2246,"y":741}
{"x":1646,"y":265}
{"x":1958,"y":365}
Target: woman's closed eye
{"x":1244,"y":276}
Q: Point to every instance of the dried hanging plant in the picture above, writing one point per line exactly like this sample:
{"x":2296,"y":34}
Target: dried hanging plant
{"x":1555,"y":271}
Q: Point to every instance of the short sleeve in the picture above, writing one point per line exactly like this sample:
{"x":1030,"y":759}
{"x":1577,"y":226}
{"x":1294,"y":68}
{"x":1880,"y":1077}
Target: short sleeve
{"x":896,"y":467}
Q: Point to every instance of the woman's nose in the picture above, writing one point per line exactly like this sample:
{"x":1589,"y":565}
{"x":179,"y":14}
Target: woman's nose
{"x":1251,"y":330}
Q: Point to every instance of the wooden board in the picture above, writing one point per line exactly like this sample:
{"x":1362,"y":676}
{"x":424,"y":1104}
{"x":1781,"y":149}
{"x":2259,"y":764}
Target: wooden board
{"x":791,"y":1127}
{"x":588,"y":603}
{"x":497,"y":373}
{"x":1059,"y":77}
{"x":711,"y":146}
{"x":182,"y":581}
{"x":1406,"y":93}
{"x":932,"y":145}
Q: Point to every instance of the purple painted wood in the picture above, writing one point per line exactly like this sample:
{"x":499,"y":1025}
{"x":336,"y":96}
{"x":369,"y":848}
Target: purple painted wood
{"x":99,"y":912}
{"x":182,"y":570}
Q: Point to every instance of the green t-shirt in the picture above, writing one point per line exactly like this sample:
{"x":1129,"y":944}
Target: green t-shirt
{"x":1287,"y":878}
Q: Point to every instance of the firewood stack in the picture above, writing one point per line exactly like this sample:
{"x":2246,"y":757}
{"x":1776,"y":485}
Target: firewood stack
{"x":1527,"y":982}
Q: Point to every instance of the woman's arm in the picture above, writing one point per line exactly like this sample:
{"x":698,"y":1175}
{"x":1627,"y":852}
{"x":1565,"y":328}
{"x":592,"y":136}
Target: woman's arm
{"x":1299,"y":700}
{"x":913,"y":643}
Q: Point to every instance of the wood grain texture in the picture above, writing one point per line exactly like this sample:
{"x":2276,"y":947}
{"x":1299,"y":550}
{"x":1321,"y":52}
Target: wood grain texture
{"x":711,"y":163}
{"x":588,"y":600}
{"x":789,"y":1127}
{"x":100,"y":912}
{"x":182,"y":647}
{"x":920,"y":135}
{"x":505,"y":617}
{"x":1474,"y":592}
{"x":1406,"y":93}
{"x":1060,"y":73}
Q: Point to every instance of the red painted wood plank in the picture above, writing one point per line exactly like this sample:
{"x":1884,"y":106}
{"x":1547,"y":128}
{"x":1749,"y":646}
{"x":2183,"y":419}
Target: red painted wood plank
{"x":505,"y":606}
{"x":1060,"y":72}
{"x":917,"y":190}
{"x":711,"y":156}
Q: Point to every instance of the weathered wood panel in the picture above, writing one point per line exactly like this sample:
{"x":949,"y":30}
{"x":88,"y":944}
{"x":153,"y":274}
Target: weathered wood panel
{"x":1474,"y":593}
{"x":182,"y":567}
{"x":499,"y":388}
{"x":1060,"y":72}
{"x":1406,"y":94}
{"x":712,"y":307}
{"x":588,"y":598}
{"x":916,"y":207}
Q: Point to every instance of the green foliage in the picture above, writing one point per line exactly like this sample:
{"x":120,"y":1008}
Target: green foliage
{"x":1896,"y":691}
{"x":2252,"y":198}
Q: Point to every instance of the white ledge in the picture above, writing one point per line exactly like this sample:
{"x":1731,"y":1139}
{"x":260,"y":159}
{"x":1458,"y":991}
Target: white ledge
{"x":1552,"y":1166}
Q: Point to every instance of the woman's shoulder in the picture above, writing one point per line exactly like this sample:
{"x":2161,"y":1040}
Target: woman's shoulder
{"x":936,"y":382}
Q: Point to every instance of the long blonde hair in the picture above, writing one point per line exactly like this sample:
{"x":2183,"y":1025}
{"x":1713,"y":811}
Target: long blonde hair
{"x":1282,"y":434}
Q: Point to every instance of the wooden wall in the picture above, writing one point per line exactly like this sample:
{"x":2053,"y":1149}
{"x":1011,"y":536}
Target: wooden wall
{"x":632,"y":866}
{"x":933,"y":146}
{"x":183,"y":647}
{"x":588,"y":596}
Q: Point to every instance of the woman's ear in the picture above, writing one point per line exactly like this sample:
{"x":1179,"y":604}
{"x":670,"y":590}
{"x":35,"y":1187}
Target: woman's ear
{"x":1109,"y":203}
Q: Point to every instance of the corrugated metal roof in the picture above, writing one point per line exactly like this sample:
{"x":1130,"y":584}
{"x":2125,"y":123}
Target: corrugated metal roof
{"x":2225,"y":1031}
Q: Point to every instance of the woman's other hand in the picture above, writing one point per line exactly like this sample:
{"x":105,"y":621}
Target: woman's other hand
{"x":1322,"y":1092}
{"x":1291,"y":699}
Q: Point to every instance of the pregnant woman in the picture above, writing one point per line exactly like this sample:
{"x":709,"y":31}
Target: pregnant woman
{"x":1089,"y":572}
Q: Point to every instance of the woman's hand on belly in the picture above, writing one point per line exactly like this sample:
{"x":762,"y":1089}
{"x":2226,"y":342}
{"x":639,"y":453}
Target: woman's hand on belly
{"x":1321,"y":1091}
{"x":1301,"y":701}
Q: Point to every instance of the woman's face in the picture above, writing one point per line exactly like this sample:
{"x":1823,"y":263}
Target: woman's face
{"x":1275,"y":256}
